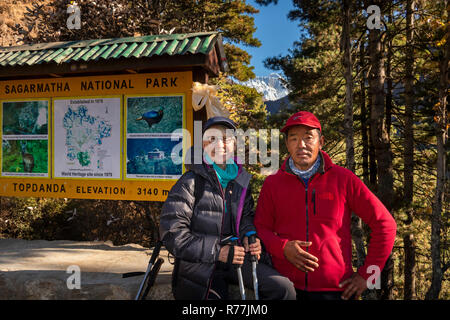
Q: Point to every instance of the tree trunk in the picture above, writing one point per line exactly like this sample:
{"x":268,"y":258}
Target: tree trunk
{"x":408,"y":154}
{"x":364,"y":125}
{"x":347,"y":62}
{"x":381,"y":142}
{"x":389,"y":81}
{"x":357,"y":232}
{"x":372,"y":160}
{"x":410,"y":267}
{"x":441,"y":135}
{"x":379,"y":133}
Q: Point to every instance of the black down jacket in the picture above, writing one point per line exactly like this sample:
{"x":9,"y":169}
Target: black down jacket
{"x":193,"y":235}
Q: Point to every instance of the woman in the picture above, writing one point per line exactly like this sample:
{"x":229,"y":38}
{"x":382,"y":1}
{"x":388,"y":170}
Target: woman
{"x":209,"y":203}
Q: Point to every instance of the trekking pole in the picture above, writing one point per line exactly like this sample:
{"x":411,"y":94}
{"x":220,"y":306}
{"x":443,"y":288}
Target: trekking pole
{"x":233,"y":242}
{"x":155,"y":254}
{"x":252,"y":239}
{"x":150,"y":274}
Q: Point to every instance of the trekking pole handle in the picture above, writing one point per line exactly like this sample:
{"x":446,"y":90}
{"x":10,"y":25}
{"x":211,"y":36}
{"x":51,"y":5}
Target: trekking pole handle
{"x":233,"y":242}
{"x":252,"y":239}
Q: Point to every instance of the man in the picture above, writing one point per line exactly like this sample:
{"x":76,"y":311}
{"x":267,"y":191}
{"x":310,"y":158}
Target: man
{"x":303,"y":217}
{"x":209,"y":203}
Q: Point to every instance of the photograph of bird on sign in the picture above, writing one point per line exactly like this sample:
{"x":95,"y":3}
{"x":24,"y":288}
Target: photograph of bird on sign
{"x":154,"y":114}
{"x":152,"y":117}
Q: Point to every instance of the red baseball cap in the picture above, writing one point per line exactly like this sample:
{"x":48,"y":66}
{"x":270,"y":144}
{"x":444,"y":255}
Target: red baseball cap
{"x":302,"y":117}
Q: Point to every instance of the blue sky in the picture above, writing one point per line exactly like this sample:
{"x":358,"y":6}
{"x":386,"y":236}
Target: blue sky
{"x":275,"y":31}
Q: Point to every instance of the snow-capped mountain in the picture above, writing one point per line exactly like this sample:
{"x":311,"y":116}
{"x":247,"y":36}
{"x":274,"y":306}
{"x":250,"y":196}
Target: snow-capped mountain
{"x":270,"y":86}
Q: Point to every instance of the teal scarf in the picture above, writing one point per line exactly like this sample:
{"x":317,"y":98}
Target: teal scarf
{"x":224,"y":176}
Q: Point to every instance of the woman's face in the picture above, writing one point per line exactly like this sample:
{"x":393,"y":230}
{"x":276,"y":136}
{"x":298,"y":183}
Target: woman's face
{"x":218,"y":145}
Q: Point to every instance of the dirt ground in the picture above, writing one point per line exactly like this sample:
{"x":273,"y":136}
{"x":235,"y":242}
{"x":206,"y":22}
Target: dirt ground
{"x":40,"y":270}
{"x":12,"y":13}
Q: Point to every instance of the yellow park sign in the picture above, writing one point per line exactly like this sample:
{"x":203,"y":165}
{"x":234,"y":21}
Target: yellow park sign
{"x":98,"y":137}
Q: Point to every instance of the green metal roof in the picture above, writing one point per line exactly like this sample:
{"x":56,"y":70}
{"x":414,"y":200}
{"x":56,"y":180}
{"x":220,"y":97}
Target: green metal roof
{"x":94,"y":50}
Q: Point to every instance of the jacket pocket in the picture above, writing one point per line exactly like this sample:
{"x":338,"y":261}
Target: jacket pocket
{"x":326,"y":205}
{"x":333,"y":267}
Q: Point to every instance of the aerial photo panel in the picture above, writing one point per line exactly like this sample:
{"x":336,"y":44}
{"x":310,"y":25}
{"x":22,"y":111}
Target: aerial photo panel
{"x":25,"y":146}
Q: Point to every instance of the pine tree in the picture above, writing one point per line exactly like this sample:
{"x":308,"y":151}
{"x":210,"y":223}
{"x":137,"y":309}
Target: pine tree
{"x":125,"y":18}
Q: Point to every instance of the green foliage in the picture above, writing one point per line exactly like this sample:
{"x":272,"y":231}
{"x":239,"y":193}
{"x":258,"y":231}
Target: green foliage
{"x":245,"y":104}
{"x":123,"y":18}
{"x":238,"y":62}
{"x":32,"y":218}
{"x":314,"y":71}
{"x":314,"y":75}
{"x":121,"y":222}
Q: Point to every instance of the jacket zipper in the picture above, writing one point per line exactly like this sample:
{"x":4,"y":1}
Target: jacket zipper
{"x":314,"y":200}
{"x":221,"y":229}
{"x":307,"y":223}
{"x":307,"y":218}
{"x":307,"y":232}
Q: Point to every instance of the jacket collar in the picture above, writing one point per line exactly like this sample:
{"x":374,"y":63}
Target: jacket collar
{"x":207,"y":171}
{"x":325,"y":164}
{"x":243,"y":177}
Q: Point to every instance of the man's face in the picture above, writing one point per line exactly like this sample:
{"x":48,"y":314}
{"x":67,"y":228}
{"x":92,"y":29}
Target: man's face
{"x":218,"y":145}
{"x":303,"y":144}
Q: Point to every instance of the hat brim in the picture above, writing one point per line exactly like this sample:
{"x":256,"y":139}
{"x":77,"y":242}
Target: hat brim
{"x":220,"y":123}
{"x":287,"y":127}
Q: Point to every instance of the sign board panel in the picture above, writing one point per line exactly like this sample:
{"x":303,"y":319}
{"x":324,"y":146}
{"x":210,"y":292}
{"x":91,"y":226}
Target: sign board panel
{"x":99,"y":137}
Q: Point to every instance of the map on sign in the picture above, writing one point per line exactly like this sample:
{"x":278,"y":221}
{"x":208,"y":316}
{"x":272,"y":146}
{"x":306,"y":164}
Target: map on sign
{"x":87,"y":141}
{"x":83,"y":134}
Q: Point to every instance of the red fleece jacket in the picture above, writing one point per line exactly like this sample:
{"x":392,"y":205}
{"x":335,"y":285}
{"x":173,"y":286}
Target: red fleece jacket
{"x":321,"y":213}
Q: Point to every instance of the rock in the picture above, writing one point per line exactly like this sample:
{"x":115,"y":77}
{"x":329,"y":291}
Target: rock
{"x":37,"y":270}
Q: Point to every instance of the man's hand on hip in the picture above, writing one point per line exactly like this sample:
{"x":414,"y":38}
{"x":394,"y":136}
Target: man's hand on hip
{"x":355,"y":285}
{"x":299,"y":257}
